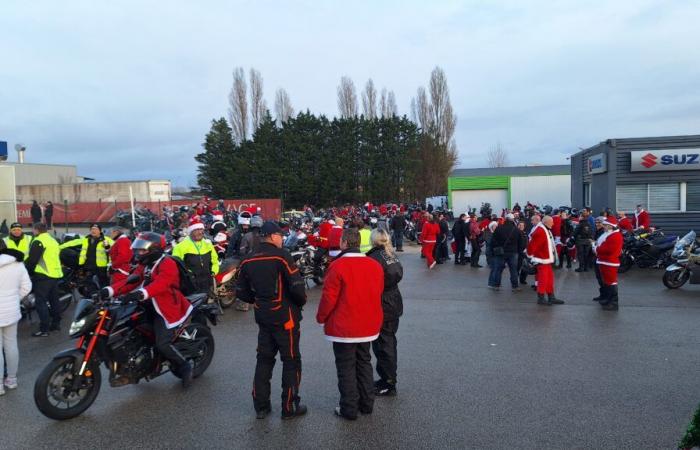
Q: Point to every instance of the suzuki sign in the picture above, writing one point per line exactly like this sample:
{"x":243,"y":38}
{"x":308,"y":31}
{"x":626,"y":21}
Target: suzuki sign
{"x":597,"y":164}
{"x":658,"y":160}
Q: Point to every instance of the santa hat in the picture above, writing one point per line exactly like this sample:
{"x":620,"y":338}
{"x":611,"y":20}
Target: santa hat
{"x":610,"y":220}
{"x":217,"y":215}
{"x":195,"y":224}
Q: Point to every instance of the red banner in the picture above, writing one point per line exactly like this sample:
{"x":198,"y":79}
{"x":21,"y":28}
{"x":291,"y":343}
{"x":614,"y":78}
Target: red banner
{"x":105,"y":212}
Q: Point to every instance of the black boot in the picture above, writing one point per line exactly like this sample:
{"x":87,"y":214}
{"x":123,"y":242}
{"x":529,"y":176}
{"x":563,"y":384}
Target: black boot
{"x":611,"y":303}
{"x":555,"y":301}
{"x":541,"y":300}
{"x":600,"y":295}
{"x":384,"y":388}
{"x":297,"y":411}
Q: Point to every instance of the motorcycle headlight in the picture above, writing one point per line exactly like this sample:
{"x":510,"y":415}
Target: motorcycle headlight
{"x":76,"y":326}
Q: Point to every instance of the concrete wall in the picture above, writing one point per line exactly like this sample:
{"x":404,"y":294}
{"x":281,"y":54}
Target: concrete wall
{"x":145,"y":191}
{"x":36,"y":174}
{"x":8,"y":204}
{"x":553,"y":190}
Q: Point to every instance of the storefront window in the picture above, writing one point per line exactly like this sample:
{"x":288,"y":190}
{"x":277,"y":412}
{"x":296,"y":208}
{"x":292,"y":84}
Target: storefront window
{"x":661,"y":197}
{"x":629,"y":196}
{"x":692,"y":202}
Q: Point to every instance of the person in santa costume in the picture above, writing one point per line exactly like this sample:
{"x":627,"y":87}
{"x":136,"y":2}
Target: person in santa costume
{"x":624,"y":223}
{"x":641,"y":218}
{"x":541,"y":251}
{"x":157,"y":279}
{"x":120,"y":255}
{"x":608,"y":248}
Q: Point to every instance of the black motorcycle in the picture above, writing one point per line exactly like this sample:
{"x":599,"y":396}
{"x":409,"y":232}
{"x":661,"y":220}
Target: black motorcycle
{"x":304,"y":256}
{"x":118,"y":334}
{"x":646,"y":250}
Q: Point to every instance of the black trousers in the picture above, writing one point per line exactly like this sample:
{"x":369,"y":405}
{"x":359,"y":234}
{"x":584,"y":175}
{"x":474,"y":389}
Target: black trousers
{"x":353,"y":363}
{"x":476,"y":252}
{"x":164,"y":342}
{"x":385,"y":351}
{"x":101,"y":274}
{"x":583,"y":252}
{"x":46,"y":294}
{"x":460,"y":256}
{"x":271,"y":340}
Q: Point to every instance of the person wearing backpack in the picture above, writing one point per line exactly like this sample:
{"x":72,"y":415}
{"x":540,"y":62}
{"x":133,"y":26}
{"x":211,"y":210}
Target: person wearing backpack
{"x":158,"y":280}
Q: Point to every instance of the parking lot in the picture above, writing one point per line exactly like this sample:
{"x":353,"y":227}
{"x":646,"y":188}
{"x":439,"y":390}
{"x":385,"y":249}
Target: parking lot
{"x":477,"y":369}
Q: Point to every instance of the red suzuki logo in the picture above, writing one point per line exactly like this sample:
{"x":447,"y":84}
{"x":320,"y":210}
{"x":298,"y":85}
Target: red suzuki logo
{"x":649,"y":160}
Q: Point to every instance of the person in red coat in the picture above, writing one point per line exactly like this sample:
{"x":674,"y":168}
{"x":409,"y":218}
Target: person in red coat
{"x":120,"y":255}
{"x":351,"y":313}
{"x":541,"y":251}
{"x":324,"y":233}
{"x":624,"y":224}
{"x":428,"y":237}
{"x":158,"y":280}
{"x":641,"y":218}
{"x":608,"y":248}
{"x":335,"y":236}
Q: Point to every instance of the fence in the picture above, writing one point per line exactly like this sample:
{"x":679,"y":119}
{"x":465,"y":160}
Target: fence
{"x":105,"y":212}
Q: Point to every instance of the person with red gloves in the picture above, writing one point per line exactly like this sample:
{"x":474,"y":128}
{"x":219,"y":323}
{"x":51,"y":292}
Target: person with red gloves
{"x":351,"y":314}
{"x":428,"y":237}
{"x":158,"y":280}
{"x":541,"y":251}
{"x":608,"y":248}
{"x":120,"y":255}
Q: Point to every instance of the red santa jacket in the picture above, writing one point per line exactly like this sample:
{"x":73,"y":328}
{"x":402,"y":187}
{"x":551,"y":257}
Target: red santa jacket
{"x":351,"y":303}
{"x":120,"y":255}
{"x":162,"y":288}
{"x":383,"y":210}
{"x":556,"y":227}
{"x":324,"y":233}
{"x":641,"y":219}
{"x":484,"y":223}
{"x":334,"y":237}
{"x":608,"y":248}
{"x":430,"y":232}
{"x":625,"y":224}
{"x":540,"y":249}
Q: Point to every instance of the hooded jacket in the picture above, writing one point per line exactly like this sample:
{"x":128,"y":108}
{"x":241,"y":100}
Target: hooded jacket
{"x":392,"y":302}
{"x":14,"y":284}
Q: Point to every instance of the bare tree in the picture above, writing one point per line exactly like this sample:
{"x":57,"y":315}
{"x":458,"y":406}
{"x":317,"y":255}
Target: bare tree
{"x":382,"y":104}
{"x":257,"y":101}
{"x":421,"y":111}
{"x":283,"y":106}
{"x":498,"y":156}
{"x":347,"y":98}
{"x":369,"y":100}
{"x":391,"y":108}
{"x":443,"y":118}
{"x":238,"y":105}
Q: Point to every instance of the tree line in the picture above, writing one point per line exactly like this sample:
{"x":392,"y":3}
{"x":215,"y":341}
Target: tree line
{"x":306,"y":158}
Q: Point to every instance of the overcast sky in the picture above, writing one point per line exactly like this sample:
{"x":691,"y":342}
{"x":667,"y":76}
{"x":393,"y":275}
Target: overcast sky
{"x":127,"y":90}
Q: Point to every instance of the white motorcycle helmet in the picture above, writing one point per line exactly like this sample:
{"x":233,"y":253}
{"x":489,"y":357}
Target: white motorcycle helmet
{"x":256,"y":222}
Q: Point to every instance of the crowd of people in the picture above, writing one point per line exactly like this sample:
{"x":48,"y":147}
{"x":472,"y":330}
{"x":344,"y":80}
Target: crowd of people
{"x":360,"y":303}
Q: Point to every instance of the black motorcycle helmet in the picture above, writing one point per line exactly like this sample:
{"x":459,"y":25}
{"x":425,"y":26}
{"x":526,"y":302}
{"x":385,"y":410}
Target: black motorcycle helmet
{"x":152,"y":243}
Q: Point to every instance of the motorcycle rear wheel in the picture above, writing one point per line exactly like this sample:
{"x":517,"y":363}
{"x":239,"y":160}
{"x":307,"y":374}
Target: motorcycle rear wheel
{"x":52,"y":389}
{"x":675,"y":279}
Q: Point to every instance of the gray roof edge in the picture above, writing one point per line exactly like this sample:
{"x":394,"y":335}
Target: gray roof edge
{"x":621,"y":142}
{"x":560,"y":169}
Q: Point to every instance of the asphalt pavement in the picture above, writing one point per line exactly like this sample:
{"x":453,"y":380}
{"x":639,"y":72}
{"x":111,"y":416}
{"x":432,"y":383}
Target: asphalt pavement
{"x":477,"y":369}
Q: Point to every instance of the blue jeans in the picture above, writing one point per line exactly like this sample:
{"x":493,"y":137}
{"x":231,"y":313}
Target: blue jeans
{"x":398,"y":239}
{"x":498,"y":264}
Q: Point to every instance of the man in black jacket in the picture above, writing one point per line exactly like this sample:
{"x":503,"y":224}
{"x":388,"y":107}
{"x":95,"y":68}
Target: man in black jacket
{"x":270,"y":280}
{"x":583,"y":235}
{"x":507,"y":238}
{"x":441,"y":252}
{"x":397,"y":227}
{"x":459,"y":230}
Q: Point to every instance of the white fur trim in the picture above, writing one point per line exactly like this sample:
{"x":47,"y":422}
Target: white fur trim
{"x":111,"y":291}
{"x":604,"y":263}
{"x":347,"y":340}
{"x":334,"y":253}
{"x":354,"y":255}
{"x":169,"y":325}
{"x":145,"y":293}
{"x":195,"y":226}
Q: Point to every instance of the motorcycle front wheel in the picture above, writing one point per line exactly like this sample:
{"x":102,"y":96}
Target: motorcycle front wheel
{"x":676,"y":278}
{"x":54,"y":394}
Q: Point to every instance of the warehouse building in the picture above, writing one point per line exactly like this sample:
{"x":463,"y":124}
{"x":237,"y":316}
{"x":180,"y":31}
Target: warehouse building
{"x":660,"y":173}
{"x":503,"y":187}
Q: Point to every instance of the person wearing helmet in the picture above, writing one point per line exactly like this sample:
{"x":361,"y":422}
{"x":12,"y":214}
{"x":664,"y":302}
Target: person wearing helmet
{"x":251,"y":240}
{"x":158,"y":280}
{"x":199,"y":256}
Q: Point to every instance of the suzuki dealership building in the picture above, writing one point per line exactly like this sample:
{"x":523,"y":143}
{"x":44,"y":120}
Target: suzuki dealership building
{"x":660,"y":173}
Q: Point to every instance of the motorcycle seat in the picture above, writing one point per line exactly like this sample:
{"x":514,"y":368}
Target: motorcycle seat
{"x":197,"y":299}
